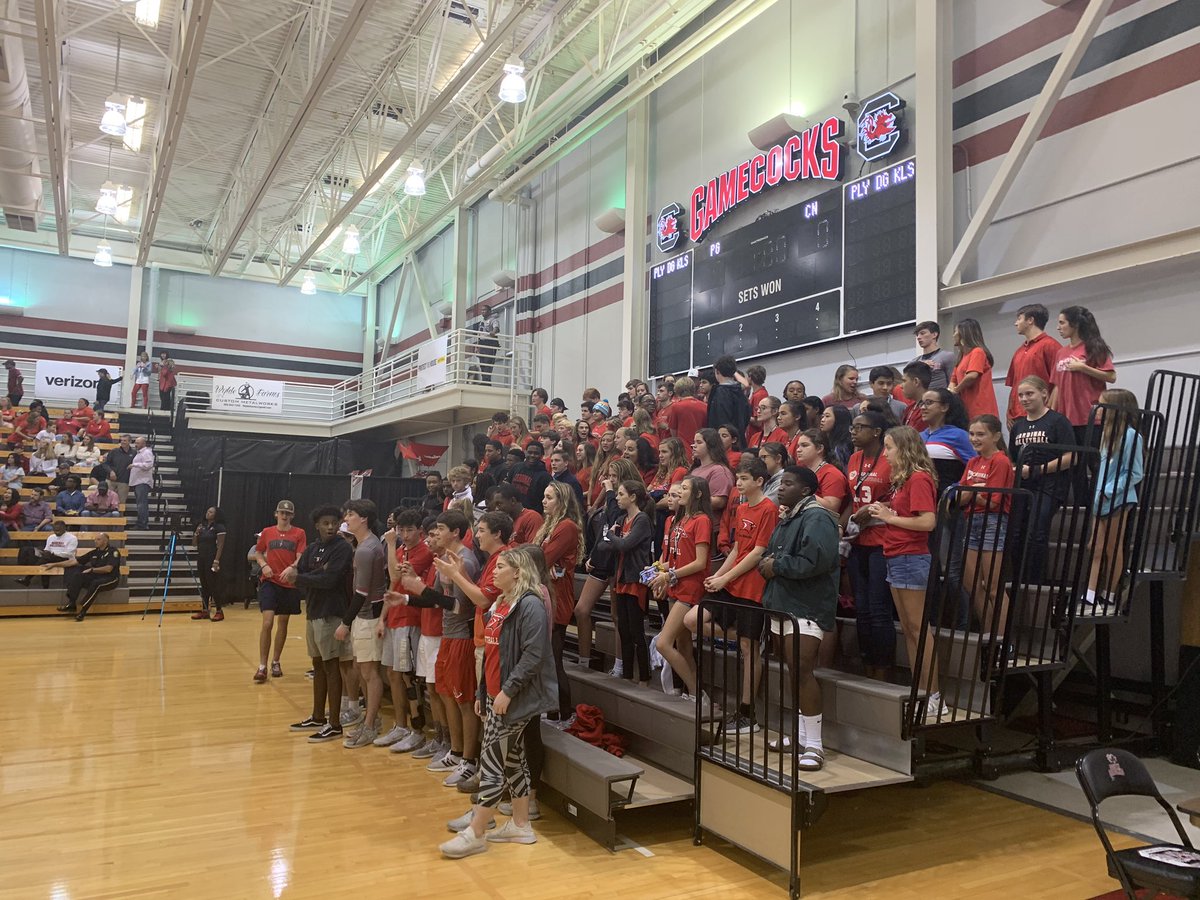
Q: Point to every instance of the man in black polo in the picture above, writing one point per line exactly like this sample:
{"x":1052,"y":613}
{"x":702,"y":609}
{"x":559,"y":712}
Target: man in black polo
{"x":119,"y":460}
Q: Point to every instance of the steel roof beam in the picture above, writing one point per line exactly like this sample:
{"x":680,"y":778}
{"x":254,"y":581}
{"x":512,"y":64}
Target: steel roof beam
{"x":353,"y":23}
{"x":53,"y":92}
{"x":497,"y":38}
{"x":191,"y":28}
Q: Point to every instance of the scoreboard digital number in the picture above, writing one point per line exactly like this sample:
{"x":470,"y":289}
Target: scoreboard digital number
{"x":840,"y":263}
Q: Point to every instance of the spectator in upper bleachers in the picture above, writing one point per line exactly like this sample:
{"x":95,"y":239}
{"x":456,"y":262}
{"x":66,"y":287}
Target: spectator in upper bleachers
{"x":939,"y":362}
{"x":26,"y":427}
{"x":539,"y":401}
{"x":61,"y":474}
{"x":87,"y":453}
{"x":141,"y":474}
{"x":101,"y":502}
{"x":167,"y":379}
{"x":65,"y":448}
{"x":44,"y":460}
{"x":530,"y":477}
{"x":70,"y":500}
{"x":13,"y":473}
{"x":558,"y":406}
{"x":66,"y":424}
{"x":432,"y":502}
{"x":59,"y":550}
{"x":119,"y":459}
{"x":16,"y":383}
{"x":104,"y":386}
{"x":560,"y":470}
{"x":11,"y":511}
{"x":37,"y":515}
{"x":6,"y":411}
{"x":82,"y":413}
{"x":99,"y":428}
{"x":141,"y":379}
{"x":727,"y":403}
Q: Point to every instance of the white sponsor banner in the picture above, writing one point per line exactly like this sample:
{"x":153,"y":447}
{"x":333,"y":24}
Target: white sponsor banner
{"x":431,"y":362}
{"x":249,"y":395}
{"x":66,"y":381}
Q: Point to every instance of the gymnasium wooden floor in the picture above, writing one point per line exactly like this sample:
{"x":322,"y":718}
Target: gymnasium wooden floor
{"x":140,"y":763}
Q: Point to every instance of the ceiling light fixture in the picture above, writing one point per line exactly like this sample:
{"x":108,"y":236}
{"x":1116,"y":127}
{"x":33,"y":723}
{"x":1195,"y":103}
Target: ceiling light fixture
{"x":106,"y":205}
{"x":414,"y":184}
{"x":146,"y":13}
{"x":512,"y":87}
{"x":135,"y":119}
{"x":309,"y":287}
{"x":351,"y":244}
{"x":103,"y":257}
{"x":113,"y":120}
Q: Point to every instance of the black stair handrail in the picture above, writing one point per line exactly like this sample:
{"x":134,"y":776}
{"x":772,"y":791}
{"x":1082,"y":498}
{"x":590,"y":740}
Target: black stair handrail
{"x":1176,"y":397}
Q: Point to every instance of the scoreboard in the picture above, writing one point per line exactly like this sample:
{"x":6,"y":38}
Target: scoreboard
{"x":840,"y":263}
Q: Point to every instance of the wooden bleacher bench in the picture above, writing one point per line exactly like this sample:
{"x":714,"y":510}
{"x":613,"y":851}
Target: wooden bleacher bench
{"x":83,"y":536}
{"x":594,"y":783}
{"x":17,"y":571}
{"x":88,"y":520}
{"x":12,"y":552}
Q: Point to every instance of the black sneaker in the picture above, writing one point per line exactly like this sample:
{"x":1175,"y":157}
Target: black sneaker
{"x":309,"y":724}
{"x":739,"y":724}
{"x":67,"y":609}
{"x":327,"y":733}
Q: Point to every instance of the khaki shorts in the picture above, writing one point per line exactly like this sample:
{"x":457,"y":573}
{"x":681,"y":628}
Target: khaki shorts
{"x":807,"y":627}
{"x":479,"y":664}
{"x":319,"y":634}
{"x":427,"y":656}
{"x":367,"y":647}
{"x":400,"y":647}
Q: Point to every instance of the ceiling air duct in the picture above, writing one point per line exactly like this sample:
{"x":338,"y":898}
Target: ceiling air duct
{"x":20,"y":180}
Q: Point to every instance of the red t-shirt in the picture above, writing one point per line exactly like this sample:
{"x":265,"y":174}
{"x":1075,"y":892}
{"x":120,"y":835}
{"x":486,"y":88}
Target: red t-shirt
{"x":487,"y":585}
{"x":100,"y":430}
{"x":753,"y":430}
{"x":685,"y":417}
{"x":67,"y":425}
{"x":979,"y":397}
{"x":431,"y":618}
{"x":914,"y":416}
{"x":491,"y":647}
{"x":1077,"y":391}
{"x":870,"y":481}
{"x":677,"y":475}
{"x":779,"y":436}
{"x":1034,"y":357}
{"x":752,"y":529}
{"x":680,"y":550}
{"x":526,"y":527}
{"x":917,"y":495}
{"x":83,"y":414}
{"x":281,"y":549}
{"x":831,"y":482}
{"x":561,"y":549}
{"x":420,"y":558}
{"x":994,"y":472}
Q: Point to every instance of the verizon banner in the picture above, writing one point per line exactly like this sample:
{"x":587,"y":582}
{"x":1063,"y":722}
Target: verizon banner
{"x":247,"y":395}
{"x":66,"y":381}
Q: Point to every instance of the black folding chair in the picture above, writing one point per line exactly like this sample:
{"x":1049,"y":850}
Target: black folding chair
{"x":1117,"y":773}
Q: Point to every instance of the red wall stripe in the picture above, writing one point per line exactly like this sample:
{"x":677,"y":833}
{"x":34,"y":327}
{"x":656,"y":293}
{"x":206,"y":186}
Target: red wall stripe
{"x":1143,"y":83}
{"x":207,"y":342}
{"x":1032,"y":35}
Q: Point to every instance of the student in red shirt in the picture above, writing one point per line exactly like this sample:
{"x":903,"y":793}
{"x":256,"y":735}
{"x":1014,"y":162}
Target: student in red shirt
{"x":972,"y":377}
{"x":756,"y":378}
{"x":917,"y":378}
{"x":687,"y":414}
{"x":813,"y":452}
{"x":870,"y":480}
{"x":908,"y":520}
{"x":1081,"y":370}
{"x":400,"y":627}
{"x":740,"y":585}
{"x":764,"y":426}
{"x":792,"y":419}
{"x":99,"y":427}
{"x":561,"y":539}
{"x":278,"y":548}
{"x":82,"y":413}
{"x":1036,"y":356}
{"x":428,"y":646}
{"x":685,"y":553}
{"x":539,"y":399}
{"x":732,"y":442}
{"x":987,"y":515}
{"x":526,"y":522}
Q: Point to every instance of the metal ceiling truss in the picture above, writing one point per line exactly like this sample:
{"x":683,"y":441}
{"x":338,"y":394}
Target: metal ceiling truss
{"x":54,"y":90}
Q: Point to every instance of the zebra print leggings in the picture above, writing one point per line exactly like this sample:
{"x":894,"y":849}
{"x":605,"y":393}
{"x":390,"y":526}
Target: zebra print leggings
{"x":502,"y":761}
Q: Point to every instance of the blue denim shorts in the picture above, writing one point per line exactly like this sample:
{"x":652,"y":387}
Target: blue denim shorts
{"x":909,"y":572}
{"x":987,"y":532}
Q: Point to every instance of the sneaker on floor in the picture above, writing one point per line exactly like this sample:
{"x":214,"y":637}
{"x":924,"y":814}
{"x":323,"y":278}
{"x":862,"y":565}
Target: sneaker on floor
{"x":739,"y":724}
{"x":361,"y":738}
{"x":260,"y":677}
{"x":562,"y":724}
{"x":310,"y":674}
{"x":309,"y":724}
{"x":470,"y":784}
{"x":414,"y":740}
{"x":618,"y":670}
{"x":218,"y":616}
{"x":811,"y":760}
{"x":936,"y":710}
{"x":463,"y":844}
{"x":512,"y":833}
{"x":328,"y":733}
{"x":350,"y":717}
{"x":445,"y":763}
{"x":461,"y":773}
{"x":202,"y":614}
{"x":427,"y":750}
{"x":276,"y":670}
{"x":454,"y":826}
{"x":397,"y":734}
{"x":535,"y":812}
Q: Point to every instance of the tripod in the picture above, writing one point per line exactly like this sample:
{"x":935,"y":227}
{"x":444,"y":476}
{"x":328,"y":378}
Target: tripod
{"x":166,"y":567}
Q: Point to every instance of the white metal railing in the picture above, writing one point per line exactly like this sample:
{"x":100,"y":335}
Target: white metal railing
{"x":461,"y":358}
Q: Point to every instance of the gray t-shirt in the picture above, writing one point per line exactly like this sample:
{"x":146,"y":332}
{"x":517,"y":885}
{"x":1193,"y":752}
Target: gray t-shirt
{"x":370,"y":576}
{"x":941,"y":366}
{"x":457,"y":622}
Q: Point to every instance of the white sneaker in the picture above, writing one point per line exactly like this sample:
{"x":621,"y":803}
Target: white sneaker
{"x":454,"y":826}
{"x":462,"y":772}
{"x":535,"y":812}
{"x":398,"y":733}
{"x":512,"y":833}
{"x":618,"y":669}
{"x":427,"y":750}
{"x":464,"y":844}
{"x":352,"y":716}
{"x":361,"y":738}
{"x":936,"y":710}
{"x":446,"y":763}
{"x":411,"y":742}
{"x":667,"y":679}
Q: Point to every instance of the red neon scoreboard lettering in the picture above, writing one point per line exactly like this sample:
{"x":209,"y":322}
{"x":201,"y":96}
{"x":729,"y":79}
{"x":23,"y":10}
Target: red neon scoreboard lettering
{"x":813,"y":154}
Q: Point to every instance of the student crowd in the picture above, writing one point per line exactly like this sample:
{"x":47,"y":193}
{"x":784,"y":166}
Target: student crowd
{"x":708,"y":486}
